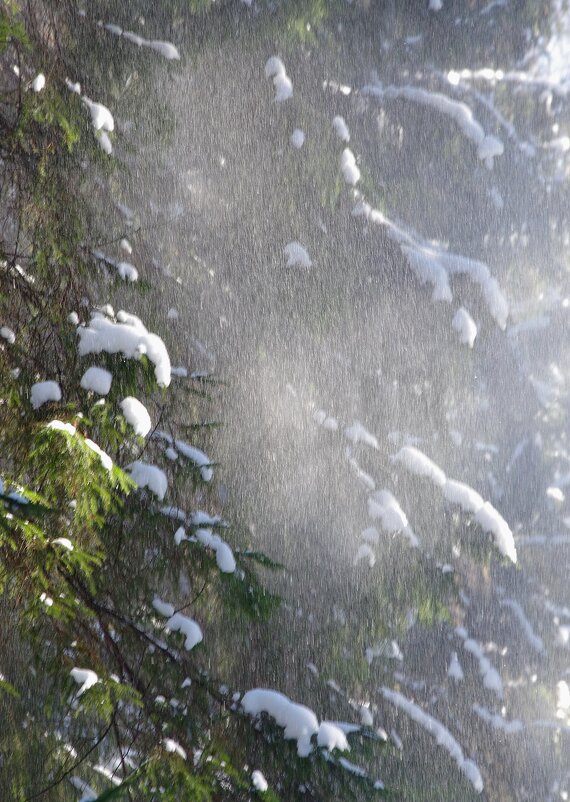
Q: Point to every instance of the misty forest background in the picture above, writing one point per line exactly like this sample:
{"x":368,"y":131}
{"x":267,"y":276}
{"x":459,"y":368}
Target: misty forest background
{"x":284,"y":460}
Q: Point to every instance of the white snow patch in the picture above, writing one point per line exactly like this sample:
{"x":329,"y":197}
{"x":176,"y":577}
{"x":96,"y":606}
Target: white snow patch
{"x":145,"y":475}
{"x":173,"y":746}
{"x":330,"y":736}
{"x":434,"y":265}
{"x":101,"y":117}
{"x":429,"y":270}
{"x":465,"y":326}
{"x":107,"y":147}
{"x":106,"y":460}
{"x":97,"y":379}
{"x":326,"y":421}
{"x":370,"y":535}
{"x":283,"y":87}
{"x":490,"y":146}
{"x":43,"y":392}
{"x":496,"y":198}
{"x":163,"y":608}
{"x":259,"y":781}
{"x":365,"y":553}
{"x":129,"y":337}
{"x":127,"y":271}
{"x":180,"y":535}
{"x":63,"y":541}
{"x":532,"y":638}
{"x":347,"y":765}
{"x":297,"y":138}
{"x":454,"y":670}
{"x":137,"y":415}
{"x":497,"y":721}
{"x":464,"y":495}
{"x":357,"y":433}
{"x":165,"y":49}
{"x":487,"y":146}
{"x":173,"y":512}
{"x":341,"y":128}
{"x":555,"y":494}
{"x":363,"y":477}
{"x":84,"y":677}
{"x":383,"y":506}
{"x":386,"y":648}
{"x":224,"y":555}
{"x":60,"y":426}
{"x":345,"y":726}
{"x":130,"y":36}
{"x":197,"y":456}
{"x":330,"y":424}
{"x":39,"y":82}
{"x":299,"y":722}
{"x":490,"y":675}
{"x":73,"y":87}
{"x":274,"y":68}
{"x":490,"y":520}
{"x":297,"y":255}
{"x":349,"y":168}
{"x":442,"y":735}
{"x":416,"y":462}
{"x":562,"y":699}
{"x":202,"y":518}
{"x":188,"y":627}
{"x":7,"y":334}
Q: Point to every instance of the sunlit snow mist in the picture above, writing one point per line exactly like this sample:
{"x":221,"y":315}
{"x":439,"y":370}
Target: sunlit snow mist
{"x":323,"y":288}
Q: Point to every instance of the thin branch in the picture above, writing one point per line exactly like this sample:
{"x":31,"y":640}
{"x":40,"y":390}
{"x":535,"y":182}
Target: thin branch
{"x":75,"y":765}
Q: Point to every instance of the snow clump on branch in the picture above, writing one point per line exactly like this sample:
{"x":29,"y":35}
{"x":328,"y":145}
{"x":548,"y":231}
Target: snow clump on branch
{"x":488,"y":518}
{"x":129,"y":337}
{"x":441,"y":734}
{"x":299,"y":722}
{"x":136,"y":414}
{"x":42,"y":392}
{"x":297,"y":255}
{"x":274,"y":68}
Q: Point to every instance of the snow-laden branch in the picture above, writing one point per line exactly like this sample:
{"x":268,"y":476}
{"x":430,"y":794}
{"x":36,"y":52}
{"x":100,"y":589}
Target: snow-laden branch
{"x":434,"y":265}
{"x":532,"y":638}
{"x":497,"y":721}
{"x":165,"y":49}
{"x":438,"y":731}
{"x":177,"y":622}
{"x":488,"y":518}
{"x":128,"y":336}
{"x":491,"y":678}
{"x":488,"y":146}
{"x":384,"y":507}
{"x":299,"y":722}
{"x":274,"y":68}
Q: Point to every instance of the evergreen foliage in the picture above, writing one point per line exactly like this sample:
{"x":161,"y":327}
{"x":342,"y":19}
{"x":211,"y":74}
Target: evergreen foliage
{"x":98,"y":698}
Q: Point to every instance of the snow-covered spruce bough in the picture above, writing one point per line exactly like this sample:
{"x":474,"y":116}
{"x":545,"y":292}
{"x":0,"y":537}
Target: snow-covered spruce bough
{"x":120,"y":600}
